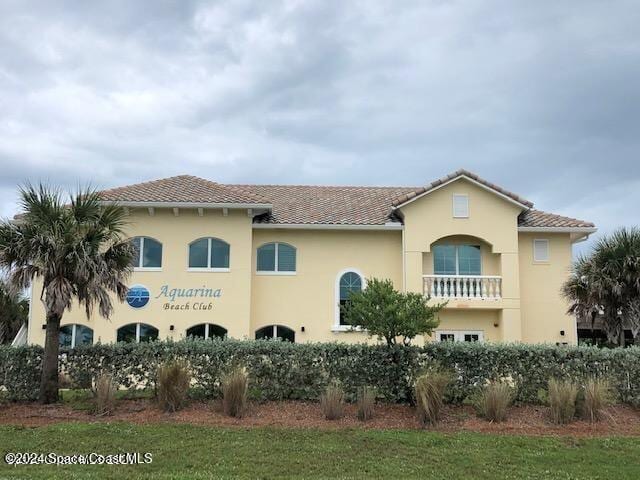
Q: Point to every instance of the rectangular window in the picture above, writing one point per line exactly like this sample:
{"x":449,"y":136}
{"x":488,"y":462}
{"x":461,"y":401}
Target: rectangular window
{"x":457,"y":260}
{"x":460,"y":206}
{"x":541,"y":250}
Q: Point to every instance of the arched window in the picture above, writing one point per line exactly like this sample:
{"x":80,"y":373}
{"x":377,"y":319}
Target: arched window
{"x":276,"y":258}
{"x":209,"y":254}
{"x":74,"y":335}
{"x":148,"y":253}
{"x":136,"y":333}
{"x":278,"y":332}
{"x":348,"y":281}
{"x":207,"y":330}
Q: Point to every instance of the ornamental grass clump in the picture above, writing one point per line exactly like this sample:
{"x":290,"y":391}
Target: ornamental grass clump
{"x":332,"y":402}
{"x":596,"y":396}
{"x":563,"y":395}
{"x":492,"y":403}
{"x":429,"y":390}
{"x":173,"y":385}
{"x":234,"y":392}
{"x":104,"y":395}
{"x":366,"y":402}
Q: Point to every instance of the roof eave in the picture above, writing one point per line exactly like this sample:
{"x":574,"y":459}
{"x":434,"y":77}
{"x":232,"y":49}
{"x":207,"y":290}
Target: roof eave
{"x":329,"y":226}
{"x":231,"y":205}
{"x":577,"y":234}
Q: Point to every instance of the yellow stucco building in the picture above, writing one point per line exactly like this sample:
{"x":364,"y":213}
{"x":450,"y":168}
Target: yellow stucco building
{"x":261,"y":261}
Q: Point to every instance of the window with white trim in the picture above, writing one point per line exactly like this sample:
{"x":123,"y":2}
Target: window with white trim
{"x":73,"y":335}
{"x":459,"y":335}
{"x":460,"y":205}
{"x":209,"y":254}
{"x":348,"y":283}
{"x":276,"y":257}
{"x":148,"y":253}
{"x":136,"y":333}
{"x":541,"y":250}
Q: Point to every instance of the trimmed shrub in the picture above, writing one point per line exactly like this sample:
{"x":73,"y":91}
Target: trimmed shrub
{"x":366,"y":402}
{"x":596,"y":396}
{"x":173,"y":385}
{"x":429,"y":390}
{"x":492,"y":403}
{"x":104,"y":395}
{"x":332,"y":402}
{"x":234,"y":392}
{"x":284,"y":370}
{"x":562,"y":400}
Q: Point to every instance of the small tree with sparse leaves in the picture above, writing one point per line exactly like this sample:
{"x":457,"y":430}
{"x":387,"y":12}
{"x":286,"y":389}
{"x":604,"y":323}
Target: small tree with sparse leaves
{"x":385,"y":312}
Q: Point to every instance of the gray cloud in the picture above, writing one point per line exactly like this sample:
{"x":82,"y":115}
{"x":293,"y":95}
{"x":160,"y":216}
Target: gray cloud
{"x":540,"y":97}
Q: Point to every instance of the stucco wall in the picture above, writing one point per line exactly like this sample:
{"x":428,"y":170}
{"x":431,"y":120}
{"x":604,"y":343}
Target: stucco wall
{"x":308,"y":299}
{"x":543,"y":308}
{"x":231,"y":310}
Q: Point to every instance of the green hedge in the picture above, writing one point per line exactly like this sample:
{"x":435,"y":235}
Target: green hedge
{"x":301,"y":371}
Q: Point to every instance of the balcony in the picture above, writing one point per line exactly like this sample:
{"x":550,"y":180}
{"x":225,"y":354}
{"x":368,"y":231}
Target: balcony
{"x":463,"y":287}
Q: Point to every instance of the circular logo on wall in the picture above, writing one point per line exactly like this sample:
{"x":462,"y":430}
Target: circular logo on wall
{"x":138,"y":296}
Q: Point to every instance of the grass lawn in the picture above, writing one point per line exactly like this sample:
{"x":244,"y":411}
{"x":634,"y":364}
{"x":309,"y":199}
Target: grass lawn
{"x":186,"y":451}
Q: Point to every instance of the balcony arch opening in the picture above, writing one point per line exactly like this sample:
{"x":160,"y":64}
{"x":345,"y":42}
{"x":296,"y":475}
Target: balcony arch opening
{"x":462,"y":266}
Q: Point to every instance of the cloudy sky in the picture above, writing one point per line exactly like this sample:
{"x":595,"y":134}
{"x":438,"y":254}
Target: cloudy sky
{"x":541,"y":97}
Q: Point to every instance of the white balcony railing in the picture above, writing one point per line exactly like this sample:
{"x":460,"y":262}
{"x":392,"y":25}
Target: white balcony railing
{"x":469,"y":287}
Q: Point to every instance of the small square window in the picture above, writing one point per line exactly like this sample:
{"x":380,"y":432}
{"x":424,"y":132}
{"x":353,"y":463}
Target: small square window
{"x":460,"y":206}
{"x":541,"y":250}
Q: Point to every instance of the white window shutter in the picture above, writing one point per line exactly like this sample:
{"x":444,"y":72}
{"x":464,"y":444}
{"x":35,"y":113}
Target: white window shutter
{"x":541,"y":250}
{"x":460,"y":206}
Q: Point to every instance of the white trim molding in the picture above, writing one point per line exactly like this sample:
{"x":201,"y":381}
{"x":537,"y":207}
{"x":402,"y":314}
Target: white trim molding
{"x":336,"y":301}
{"x":328,"y":226}
{"x":547,"y":246}
{"x":454,"y":205}
{"x":578,"y":234}
{"x":557,"y":229}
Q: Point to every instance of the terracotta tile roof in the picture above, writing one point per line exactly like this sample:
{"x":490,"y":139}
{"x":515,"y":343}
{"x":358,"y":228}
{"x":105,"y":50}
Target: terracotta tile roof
{"x":538,"y":218}
{"x":419,"y":191}
{"x":305,"y":204}
{"x":314,"y":205}
{"x":181,"y":189}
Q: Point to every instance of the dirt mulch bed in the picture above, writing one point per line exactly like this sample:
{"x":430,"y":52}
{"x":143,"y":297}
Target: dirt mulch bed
{"x":524,"y":420}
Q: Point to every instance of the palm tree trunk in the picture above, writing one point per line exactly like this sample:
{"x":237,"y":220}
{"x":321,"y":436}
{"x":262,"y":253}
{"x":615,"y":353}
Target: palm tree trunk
{"x":622,"y":342}
{"x":49,"y":379}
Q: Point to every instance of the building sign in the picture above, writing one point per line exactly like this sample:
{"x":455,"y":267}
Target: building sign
{"x":196,"y":299}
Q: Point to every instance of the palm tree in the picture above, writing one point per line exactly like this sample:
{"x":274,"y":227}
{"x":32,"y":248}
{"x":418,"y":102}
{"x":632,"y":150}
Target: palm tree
{"x":14,"y":312}
{"x":606,"y":283}
{"x":76,"y":249}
